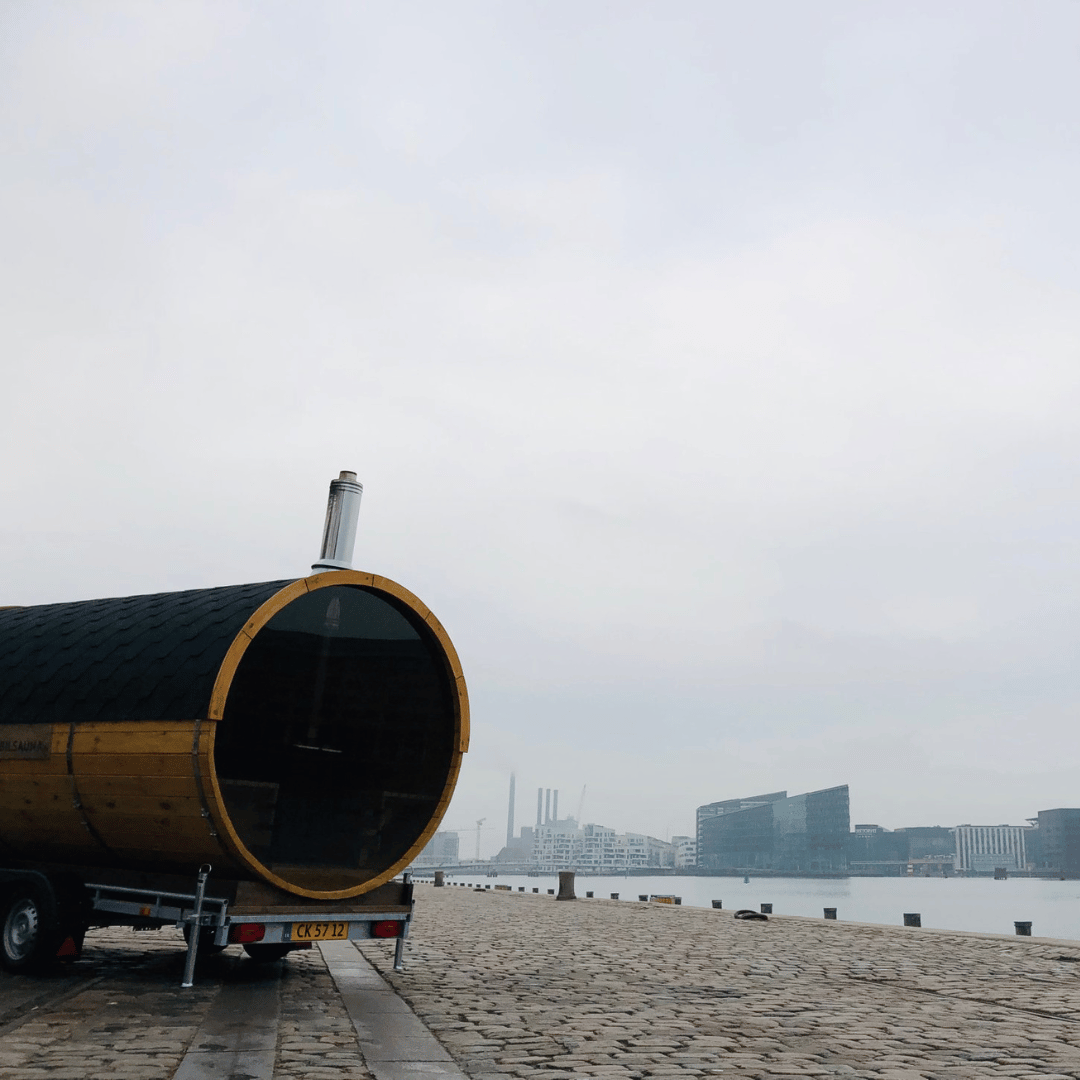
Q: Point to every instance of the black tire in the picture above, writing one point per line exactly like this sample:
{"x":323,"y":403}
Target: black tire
{"x":265,"y":954}
{"x":206,"y":941}
{"x":28,"y":931}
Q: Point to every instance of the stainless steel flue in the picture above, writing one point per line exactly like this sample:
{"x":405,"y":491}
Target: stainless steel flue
{"x":339,"y":532}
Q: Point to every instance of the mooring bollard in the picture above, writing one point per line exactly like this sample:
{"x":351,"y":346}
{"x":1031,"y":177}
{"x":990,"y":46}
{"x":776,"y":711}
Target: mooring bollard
{"x":678,"y":899}
{"x":830,"y":913}
{"x":614,"y":896}
{"x":912,"y":918}
{"x":566,"y":885}
{"x":536,"y":890}
{"x":645,"y":898}
{"x":551,"y":892}
{"x":1023,"y":929}
{"x":766,"y":909}
{"x":521,"y":888}
{"x":588,"y":896}
{"x":718,"y":905}
{"x":440,"y":879}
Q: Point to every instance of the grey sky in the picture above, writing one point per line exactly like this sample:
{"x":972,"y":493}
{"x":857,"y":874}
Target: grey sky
{"x":712,"y":369}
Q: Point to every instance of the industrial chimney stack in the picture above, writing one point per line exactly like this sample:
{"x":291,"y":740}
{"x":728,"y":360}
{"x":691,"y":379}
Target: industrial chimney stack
{"x":510,"y":815}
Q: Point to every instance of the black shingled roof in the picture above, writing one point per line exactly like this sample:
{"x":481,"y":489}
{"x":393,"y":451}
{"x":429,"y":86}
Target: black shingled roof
{"x":132,"y":658}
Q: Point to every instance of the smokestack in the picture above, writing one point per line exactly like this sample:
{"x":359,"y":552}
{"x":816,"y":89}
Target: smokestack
{"x":555,"y":806}
{"x":510,"y":815}
{"x":547,"y":806}
{"x":539,"y":806}
{"x":339,"y":532}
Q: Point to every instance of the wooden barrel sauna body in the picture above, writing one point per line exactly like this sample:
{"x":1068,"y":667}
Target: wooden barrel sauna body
{"x":306,"y":734}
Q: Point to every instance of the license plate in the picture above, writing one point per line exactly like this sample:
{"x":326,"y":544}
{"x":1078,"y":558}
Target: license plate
{"x":320,"y":931}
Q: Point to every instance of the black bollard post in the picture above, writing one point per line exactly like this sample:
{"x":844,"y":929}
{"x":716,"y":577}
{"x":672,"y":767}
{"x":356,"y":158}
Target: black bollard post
{"x":640,"y":897}
{"x":678,"y":899}
{"x":588,"y":896}
{"x":912,"y":918}
{"x":614,"y":896}
{"x":830,"y":913}
{"x":566,"y":885}
{"x":766,"y":909}
{"x":551,"y":892}
{"x":1023,"y":929}
{"x":521,"y":888}
{"x":718,"y":905}
{"x":536,"y":890}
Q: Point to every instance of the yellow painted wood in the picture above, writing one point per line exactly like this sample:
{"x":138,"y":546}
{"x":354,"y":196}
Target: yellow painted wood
{"x":29,"y":825}
{"x":115,"y":739}
{"x":165,"y":787}
{"x":399,"y":592}
{"x":464,"y":723}
{"x":164,"y":829}
{"x":133,"y":765}
{"x":444,"y":641}
{"x":148,"y":806}
{"x":30,"y":795}
{"x":56,"y":765}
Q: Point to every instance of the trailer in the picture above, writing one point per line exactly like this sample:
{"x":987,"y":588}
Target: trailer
{"x":256,"y":764}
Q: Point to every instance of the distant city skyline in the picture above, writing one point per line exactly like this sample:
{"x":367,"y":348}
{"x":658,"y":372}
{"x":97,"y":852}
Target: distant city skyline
{"x":524,"y":817}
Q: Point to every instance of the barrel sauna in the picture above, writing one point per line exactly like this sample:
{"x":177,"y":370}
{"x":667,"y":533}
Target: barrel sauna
{"x":302,"y":734}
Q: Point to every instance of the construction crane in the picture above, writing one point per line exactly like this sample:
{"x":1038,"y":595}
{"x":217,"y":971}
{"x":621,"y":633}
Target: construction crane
{"x":478,"y":828}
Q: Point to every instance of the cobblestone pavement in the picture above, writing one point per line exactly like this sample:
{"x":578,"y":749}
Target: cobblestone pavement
{"x":524,"y":986}
{"x":120,"y":1014}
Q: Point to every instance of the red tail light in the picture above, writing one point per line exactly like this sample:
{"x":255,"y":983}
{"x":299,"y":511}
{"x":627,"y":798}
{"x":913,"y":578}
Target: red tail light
{"x":387,"y":928}
{"x":246,"y":932}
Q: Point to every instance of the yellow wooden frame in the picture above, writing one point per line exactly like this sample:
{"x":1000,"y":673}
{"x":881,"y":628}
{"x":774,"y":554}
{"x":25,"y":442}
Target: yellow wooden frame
{"x":215,"y":804}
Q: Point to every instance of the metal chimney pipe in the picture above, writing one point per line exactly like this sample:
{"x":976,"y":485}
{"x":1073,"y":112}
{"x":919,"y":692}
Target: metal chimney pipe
{"x":547,"y":805}
{"x":555,"y":806}
{"x":339,"y":532}
{"x":539,"y":806}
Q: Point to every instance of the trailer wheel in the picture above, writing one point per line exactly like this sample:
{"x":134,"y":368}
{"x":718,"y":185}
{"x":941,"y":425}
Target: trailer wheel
{"x":28,"y":938}
{"x":206,"y":941}
{"x":265,"y":954}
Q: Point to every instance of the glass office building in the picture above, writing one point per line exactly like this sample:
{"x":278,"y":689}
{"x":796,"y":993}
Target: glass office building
{"x":803,"y":834}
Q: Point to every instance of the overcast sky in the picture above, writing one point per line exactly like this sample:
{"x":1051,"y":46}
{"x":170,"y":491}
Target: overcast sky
{"x":712,"y":369}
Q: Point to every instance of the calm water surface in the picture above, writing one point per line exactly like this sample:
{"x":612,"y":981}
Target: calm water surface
{"x":1052,"y":907}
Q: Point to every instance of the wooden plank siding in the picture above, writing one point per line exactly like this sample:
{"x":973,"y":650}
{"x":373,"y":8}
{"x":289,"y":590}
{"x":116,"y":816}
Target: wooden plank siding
{"x":126,"y":790}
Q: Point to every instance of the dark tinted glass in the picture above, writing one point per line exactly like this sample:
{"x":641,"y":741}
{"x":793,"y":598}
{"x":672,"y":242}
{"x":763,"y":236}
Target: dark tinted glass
{"x":337,"y":737}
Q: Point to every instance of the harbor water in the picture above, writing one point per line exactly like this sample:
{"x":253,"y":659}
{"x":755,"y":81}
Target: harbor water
{"x":977,"y":904}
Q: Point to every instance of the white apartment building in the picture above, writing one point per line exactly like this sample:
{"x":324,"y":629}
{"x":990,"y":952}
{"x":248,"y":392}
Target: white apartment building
{"x":564,"y":845}
{"x":685,"y":850}
{"x":983,"y":848}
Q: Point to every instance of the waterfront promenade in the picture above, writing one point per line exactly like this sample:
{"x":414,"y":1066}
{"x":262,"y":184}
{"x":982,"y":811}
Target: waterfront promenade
{"x":522,"y":986}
